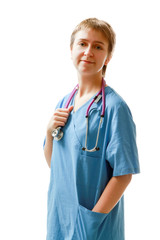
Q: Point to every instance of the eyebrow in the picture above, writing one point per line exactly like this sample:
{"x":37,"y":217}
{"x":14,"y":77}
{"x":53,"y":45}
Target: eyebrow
{"x":83,"y":39}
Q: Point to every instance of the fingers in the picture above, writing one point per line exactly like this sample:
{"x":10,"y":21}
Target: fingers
{"x":59,"y":118}
{"x":58,"y":124}
{"x":61,"y":115}
{"x":65,"y":110}
{"x":70,"y":108}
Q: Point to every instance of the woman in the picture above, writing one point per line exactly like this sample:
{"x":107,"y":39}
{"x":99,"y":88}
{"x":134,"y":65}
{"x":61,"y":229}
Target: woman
{"x":92,"y":164}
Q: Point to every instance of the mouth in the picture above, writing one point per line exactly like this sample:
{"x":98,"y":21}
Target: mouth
{"x":88,"y":62}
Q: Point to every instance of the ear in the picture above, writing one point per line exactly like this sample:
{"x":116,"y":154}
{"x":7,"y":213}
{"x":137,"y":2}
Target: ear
{"x":107,"y":60}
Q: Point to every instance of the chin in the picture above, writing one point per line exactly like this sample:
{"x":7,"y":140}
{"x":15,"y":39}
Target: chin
{"x":83,"y":73}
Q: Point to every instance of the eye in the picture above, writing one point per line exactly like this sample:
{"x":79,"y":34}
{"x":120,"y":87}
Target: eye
{"x":82,"y":44}
{"x":98,"y":47}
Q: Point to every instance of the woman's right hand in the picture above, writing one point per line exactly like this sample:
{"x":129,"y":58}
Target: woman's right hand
{"x":58,"y":119}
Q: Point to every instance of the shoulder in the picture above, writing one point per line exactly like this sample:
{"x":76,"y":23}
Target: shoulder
{"x":119,"y":116}
{"x":62,"y":101}
{"x":115,"y":104}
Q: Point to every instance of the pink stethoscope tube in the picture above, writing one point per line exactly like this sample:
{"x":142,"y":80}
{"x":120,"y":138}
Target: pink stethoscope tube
{"x":101,"y":91}
{"x":58,"y":134}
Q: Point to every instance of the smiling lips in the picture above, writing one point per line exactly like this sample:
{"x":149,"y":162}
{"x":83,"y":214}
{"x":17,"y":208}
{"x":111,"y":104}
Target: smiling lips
{"x":85,"y":61}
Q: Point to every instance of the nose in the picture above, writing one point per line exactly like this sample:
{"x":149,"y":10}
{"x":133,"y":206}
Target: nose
{"x":88,"y":51}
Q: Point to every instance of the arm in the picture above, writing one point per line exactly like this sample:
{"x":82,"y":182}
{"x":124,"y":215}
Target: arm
{"x":112,"y":193}
{"x":58,"y":119}
{"x":48,"y":148}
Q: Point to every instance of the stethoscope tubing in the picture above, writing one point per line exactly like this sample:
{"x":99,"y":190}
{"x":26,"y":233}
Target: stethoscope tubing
{"x":58,"y":131}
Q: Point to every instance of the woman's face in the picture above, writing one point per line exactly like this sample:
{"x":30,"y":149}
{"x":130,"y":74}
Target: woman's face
{"x":89,"y":52}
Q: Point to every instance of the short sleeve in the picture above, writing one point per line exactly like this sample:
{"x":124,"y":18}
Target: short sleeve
{"x":121,"y":151}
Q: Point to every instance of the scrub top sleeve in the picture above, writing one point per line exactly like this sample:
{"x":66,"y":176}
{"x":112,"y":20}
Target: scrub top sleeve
{"x":121,"y":151}
{"x":59,"y":105}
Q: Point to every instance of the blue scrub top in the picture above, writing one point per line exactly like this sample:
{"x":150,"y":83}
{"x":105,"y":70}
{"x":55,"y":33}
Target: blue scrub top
{"x":78,"y":178}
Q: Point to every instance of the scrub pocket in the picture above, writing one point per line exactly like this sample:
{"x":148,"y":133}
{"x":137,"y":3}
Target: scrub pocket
{"x":89,"y":225}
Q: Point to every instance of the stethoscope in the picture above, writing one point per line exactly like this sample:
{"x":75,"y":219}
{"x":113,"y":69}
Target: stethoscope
{"x":58,"y":134}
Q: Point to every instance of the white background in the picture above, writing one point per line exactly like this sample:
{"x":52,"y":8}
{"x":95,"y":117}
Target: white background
{"x":36,"y":72}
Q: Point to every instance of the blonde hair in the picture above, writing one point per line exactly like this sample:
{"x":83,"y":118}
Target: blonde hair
{"x":101,"y":26}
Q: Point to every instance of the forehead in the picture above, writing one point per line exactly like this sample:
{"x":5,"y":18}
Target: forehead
{"x":91,"y":35}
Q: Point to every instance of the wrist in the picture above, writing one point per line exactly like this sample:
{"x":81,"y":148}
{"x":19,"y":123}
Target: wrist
{"x":49,"y":134}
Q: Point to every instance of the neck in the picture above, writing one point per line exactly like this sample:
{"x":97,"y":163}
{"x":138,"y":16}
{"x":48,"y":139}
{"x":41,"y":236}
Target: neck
{"x":89,"y":84}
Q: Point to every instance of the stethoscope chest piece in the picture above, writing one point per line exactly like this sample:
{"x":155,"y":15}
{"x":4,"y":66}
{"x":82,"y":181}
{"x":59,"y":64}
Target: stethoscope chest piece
{"x":57,"y":134}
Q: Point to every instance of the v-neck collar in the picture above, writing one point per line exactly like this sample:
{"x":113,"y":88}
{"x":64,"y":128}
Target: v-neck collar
{"x":87,"y":102}
{"x":83,"y":105}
